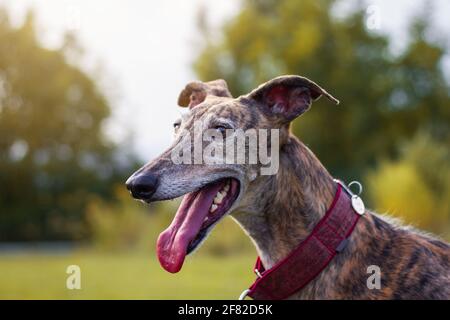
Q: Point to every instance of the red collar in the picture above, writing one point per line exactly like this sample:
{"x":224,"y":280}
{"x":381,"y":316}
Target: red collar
{"x":302,"y":265}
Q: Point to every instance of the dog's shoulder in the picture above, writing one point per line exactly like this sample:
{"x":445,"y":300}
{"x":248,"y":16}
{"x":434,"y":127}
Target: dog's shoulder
{"x":418,"y":262}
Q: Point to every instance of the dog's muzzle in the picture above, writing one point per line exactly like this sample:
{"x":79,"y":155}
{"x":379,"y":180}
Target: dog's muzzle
{"x":142,"y":186}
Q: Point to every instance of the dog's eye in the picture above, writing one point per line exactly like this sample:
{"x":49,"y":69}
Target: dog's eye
{"x":176,"y":124}
{"x":221,"y":128}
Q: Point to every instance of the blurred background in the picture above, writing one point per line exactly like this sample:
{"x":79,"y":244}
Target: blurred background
{"x":88,"y":93}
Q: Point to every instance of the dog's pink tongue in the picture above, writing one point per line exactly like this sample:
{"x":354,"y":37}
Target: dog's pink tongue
{"x":173,"y":242}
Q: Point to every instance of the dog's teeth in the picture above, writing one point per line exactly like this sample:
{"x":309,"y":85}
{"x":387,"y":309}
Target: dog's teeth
{"x":213,"y":208}
{"x":218,"y":198}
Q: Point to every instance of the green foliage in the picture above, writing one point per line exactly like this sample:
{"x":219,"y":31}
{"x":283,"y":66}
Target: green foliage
{"x":52,"y":151}
{"x":117,"y":225}
{"x":121,"y":223}
{"x":415,"y":187}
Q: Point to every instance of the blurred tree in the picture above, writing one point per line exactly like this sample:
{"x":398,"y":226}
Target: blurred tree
{"x":52,"y":151}
{"x":385,"y":98}
{"x":416,"y":186}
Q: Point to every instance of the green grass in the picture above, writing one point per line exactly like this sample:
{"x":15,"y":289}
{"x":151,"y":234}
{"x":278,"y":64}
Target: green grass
{"x":123,"y":276}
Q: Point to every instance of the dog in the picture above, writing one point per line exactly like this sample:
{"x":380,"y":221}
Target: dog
{"x":280,"y":211}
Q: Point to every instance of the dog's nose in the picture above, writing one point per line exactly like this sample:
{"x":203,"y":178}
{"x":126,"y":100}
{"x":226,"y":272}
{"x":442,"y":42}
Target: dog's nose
{"x":143,"y":186}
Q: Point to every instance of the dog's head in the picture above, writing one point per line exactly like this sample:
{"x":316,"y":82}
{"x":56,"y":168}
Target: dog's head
{"x":222,"y":146}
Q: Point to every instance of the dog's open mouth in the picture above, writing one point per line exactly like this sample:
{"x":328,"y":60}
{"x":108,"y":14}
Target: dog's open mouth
{"x":198,"y":212}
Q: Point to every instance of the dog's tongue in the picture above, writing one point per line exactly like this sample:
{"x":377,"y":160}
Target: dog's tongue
{"x":173,"y":242}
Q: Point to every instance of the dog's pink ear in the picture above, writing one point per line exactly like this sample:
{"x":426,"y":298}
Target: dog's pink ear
{"x":288,"y":96}
{"x":196,"y":92}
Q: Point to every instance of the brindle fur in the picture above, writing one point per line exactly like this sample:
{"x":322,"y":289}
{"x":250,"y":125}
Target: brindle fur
{"x":279,"y":211}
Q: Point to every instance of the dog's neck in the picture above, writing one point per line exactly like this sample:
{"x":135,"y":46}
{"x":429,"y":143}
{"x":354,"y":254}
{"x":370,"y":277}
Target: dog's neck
{"x":289,"y":204}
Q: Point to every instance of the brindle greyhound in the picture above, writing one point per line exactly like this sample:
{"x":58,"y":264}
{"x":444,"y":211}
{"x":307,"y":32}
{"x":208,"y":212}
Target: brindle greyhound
{"x":279,"y":211}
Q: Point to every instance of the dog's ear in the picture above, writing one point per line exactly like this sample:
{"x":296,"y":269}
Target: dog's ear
{"x":288,"y":96}
{"x":197,"y":91}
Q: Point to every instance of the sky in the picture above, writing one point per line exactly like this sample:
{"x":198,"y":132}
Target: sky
{"x":145,"y":51}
